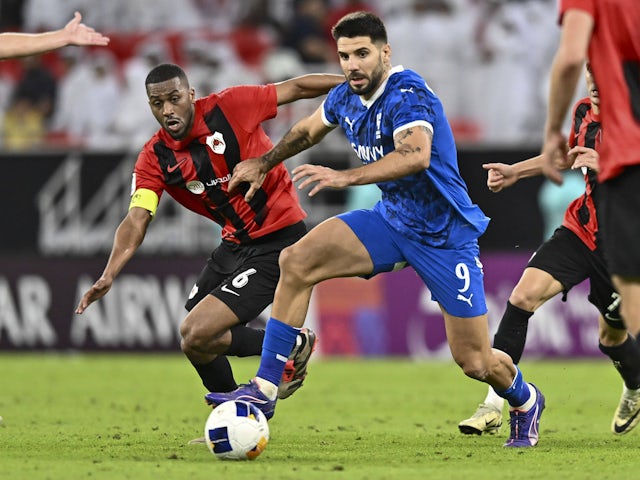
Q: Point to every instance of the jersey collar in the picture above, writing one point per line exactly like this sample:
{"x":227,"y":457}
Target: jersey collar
{"x":380,"y":90}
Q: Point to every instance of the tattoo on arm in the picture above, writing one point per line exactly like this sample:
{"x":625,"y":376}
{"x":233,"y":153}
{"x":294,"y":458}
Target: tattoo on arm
{"x":401,"y":140}
{"x":291,"y":144}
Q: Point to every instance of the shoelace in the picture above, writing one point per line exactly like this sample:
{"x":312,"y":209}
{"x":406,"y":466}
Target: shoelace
{"x":517,"y":423}
{"x":628,"y":405}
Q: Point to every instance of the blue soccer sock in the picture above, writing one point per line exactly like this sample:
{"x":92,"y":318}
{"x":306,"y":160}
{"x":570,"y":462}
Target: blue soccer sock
{"x":279,"y":339}
{"x":519,"y":395}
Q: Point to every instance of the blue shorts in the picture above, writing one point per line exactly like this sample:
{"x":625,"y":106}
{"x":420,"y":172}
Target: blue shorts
{"x":454,"y":276}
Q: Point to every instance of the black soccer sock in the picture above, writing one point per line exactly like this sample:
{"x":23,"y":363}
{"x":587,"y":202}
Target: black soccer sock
{"x":626,"y":359}
{"x":512,"y":332}
{"x":245,"y":341}
{"x":217,"y":375}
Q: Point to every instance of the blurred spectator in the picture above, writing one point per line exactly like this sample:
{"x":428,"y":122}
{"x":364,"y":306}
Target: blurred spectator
{"x":429,"y":37}
{"x":213,"y":65}
{"x":487,"y":59}
{"x":154,"y":15}
{"x":278,"y":65}
{"x":114,"y":15}
{"x":306,"y":33}
{"x":220,"y":16}
{"x":256,"y":33}
{"x":150,"y":52}
{"x":31,"y":103}
{"x":24,"y":126}
{"x":132,"y":125}
{"x":91,"y":92}
{"x":505,"y":73}
{"x":36,"y":85}
{"x":338,"y":9}
{"x":40,"y":15}
{"x":11,"y":17}
{"x":99,"y":101}
{"x":74,"y":79}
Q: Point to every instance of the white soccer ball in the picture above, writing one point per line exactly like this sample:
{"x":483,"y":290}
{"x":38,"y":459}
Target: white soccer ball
{"x":236,"y":430}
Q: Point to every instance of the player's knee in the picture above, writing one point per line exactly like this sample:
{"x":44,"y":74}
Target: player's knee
{"x":474,"y":368}
{"x":200,"y":339}
{"x":523,"y":300}
{"x":294,"y":264}
{"x":610,"y":337}
{"x":189,"y":338}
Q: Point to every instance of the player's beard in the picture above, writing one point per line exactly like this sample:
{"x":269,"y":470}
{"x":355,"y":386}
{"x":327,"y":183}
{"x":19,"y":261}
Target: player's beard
{"x":374,"y":82}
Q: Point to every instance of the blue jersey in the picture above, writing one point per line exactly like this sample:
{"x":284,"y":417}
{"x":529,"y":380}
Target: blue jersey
{"x":432,"y":206}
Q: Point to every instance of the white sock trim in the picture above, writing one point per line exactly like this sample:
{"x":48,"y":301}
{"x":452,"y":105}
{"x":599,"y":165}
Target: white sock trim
{"x":529,"y":403}
{"x":266,"y":387}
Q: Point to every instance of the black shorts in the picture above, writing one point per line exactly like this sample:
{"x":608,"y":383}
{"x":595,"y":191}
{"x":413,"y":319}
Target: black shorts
{"x":244,"y":277}
{"x":618,"y":207}
{"x":567,"y":259}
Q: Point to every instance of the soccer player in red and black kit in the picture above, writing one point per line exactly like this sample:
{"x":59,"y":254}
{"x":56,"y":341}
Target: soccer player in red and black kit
{"x":605,"y":31}
{"x":191,"y":158}
{"x":570,"y":256}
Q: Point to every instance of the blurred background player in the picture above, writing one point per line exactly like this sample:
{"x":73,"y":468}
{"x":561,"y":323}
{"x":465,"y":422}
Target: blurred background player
{"x":570,"y":256}
{"x":606,"y":32}
{"x":191,"y":158}
{"x":13,"y":44}
{"x":398,"y":129}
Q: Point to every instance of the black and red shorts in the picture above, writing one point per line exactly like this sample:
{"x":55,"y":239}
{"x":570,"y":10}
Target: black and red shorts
{"x":244,"y":277}
{"x":567,"y":259}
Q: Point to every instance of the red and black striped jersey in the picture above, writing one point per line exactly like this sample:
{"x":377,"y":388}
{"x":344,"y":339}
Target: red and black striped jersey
{"x":196,"y":171}
{"x":580,"y":216}
{"x":614,"y":56}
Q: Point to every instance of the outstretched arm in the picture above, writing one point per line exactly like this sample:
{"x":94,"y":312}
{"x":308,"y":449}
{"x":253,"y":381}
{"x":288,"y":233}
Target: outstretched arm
{"x":502,"y":175}
{"x":128,"y":238}
{"x":306,"y":86}
{"x":74,"y":33}
{"x":304,"y":134}
{"x":566,"y":69}
{"x":412,"y":154}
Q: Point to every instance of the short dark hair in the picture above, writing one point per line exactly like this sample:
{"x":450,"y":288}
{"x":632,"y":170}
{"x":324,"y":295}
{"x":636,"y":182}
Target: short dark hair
{"x":360,"y":24}
{"x":164,"y":72}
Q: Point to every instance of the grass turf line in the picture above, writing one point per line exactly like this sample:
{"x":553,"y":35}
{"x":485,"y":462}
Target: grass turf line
{"x":131,"y":416}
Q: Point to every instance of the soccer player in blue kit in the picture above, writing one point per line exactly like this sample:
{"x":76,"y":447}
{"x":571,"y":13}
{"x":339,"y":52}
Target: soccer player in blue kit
{"x":425,"y":219}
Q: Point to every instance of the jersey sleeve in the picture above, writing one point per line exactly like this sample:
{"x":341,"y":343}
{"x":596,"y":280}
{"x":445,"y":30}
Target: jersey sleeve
{"x":147,"y":183}
{"x":329,"y":117}
{"x":584,"y":5}
{"x":411,"y":106}
{"x":250,"y":105}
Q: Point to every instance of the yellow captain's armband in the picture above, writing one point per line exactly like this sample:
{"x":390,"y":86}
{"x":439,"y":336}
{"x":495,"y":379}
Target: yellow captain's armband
{"x":144,"y":198}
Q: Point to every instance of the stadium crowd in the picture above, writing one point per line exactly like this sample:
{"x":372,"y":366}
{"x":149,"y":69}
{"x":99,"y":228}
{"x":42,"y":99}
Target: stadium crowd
{"x":487,"y":60}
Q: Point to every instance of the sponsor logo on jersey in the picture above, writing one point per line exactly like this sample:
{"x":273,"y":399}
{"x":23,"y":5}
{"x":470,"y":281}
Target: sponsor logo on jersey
{"x":367,"y":153}
{"x":216,"y":143}
{"x":218,"y":180}
{"x":195,"y":186}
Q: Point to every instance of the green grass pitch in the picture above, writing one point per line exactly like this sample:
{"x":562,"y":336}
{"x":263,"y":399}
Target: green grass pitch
{"x":131,"y":416}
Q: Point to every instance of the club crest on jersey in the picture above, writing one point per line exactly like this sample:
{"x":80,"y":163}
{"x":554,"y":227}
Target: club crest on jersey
{"x":216,"y":143}
{"x":195,"y":186}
